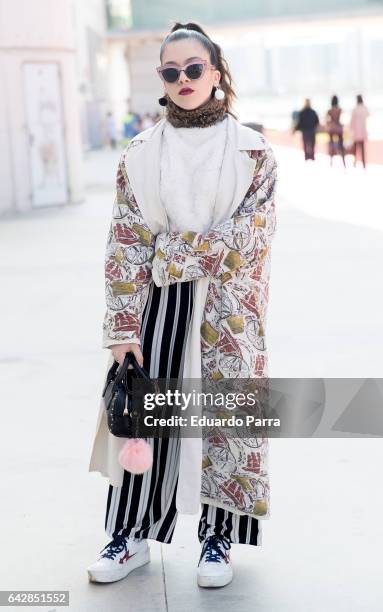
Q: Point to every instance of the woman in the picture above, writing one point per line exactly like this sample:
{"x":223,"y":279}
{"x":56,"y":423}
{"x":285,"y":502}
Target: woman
{"x":335,"y":130}
{"x":358,"y":127}
{"x":194,"y":213}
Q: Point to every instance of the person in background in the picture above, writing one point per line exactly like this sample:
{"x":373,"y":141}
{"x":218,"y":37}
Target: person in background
{"x":335,"y":130}
{"x":131,"y":126}
{"x":358,"y":127}
{"x":111,"y":129}
{"x":307,"y":123}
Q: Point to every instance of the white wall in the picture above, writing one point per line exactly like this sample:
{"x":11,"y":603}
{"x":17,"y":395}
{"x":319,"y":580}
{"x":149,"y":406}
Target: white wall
{"x":146,"y":87}
{"x":118,"y":80}
{"x":92,"y":69}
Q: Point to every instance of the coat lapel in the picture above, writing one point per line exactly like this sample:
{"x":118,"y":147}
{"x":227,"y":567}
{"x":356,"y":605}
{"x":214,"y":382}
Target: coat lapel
{"x":143,"y":169}
{"x":237,"y":170}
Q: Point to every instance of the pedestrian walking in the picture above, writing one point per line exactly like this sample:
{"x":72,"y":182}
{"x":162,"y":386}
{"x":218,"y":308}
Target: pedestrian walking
{"x":358,"y":127}
{"x":187,"y":275}
{"x":334,"y":129}
{"x":307,"y":122}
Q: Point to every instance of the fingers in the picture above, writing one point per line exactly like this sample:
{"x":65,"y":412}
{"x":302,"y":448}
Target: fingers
{"x":136,"y":350}
{"x":120,"y":350}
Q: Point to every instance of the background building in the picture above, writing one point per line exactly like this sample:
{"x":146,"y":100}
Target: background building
{"x":40,"y":147}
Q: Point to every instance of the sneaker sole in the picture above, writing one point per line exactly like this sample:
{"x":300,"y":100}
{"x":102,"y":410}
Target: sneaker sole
{"x":214,"y":581}
{"x":112,"y":576}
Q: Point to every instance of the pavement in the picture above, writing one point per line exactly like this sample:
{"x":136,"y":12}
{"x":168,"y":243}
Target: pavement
{"x":322,"y":547}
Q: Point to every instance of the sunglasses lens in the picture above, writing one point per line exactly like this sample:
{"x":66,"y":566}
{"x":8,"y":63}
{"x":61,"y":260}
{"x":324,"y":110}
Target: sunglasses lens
{"x":194,"y":71}
{"x":170,"y":75}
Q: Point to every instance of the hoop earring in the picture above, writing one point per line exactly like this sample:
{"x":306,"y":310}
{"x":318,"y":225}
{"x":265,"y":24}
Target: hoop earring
{"x":219,"y":94}
{"x":162,"y":101}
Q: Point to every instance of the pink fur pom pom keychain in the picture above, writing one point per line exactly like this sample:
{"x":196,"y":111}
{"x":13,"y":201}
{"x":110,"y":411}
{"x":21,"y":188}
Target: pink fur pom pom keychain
{"x":136,"y":456}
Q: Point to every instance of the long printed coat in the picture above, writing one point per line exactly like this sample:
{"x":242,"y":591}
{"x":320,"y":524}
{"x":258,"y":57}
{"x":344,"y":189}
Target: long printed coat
{"x":235,"y":257}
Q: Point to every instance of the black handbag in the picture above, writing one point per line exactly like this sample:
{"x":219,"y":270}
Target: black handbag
{"x":118,"y":397}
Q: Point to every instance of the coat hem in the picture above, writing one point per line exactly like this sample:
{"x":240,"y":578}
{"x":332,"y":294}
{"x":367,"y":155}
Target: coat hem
{"x":218,"y":504}
{"x":106,"y":475}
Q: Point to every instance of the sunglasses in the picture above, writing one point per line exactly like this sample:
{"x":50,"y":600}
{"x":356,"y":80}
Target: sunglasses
{"x":193,"y":71}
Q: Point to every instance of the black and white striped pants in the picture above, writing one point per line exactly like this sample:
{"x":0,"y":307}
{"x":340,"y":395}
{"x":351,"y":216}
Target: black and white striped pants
{"x":145,"y":505}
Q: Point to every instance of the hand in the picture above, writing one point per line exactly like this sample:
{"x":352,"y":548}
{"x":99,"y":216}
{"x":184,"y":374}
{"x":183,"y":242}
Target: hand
{"x":119,"y":351}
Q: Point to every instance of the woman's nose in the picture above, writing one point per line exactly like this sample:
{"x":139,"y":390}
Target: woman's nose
{"x":182,"y":77}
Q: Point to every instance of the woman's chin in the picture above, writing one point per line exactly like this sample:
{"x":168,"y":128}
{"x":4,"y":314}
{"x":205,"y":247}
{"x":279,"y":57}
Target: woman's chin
{"x":186,"y":105}
{"x":188,"y":102}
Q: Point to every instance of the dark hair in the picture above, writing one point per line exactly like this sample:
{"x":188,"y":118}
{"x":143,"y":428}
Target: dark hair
{"x":334,"y":101}
{"x":359,"y":99}
{"x":189,"y":30}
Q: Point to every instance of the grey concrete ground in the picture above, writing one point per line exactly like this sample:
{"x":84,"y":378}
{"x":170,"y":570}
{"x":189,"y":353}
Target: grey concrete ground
{"x":322,"y":547}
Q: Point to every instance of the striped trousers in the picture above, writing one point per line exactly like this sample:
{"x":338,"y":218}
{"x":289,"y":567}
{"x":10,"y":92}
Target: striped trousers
{"x":144,"y":506}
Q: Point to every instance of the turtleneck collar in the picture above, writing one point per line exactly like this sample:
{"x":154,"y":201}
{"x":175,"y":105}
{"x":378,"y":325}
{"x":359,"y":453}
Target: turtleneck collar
{"x":207,"y":114}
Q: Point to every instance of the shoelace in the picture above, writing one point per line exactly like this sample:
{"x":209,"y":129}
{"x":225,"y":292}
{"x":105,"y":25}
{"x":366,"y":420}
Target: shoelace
{"x":115,"y":546}
{"x":212,"y":548}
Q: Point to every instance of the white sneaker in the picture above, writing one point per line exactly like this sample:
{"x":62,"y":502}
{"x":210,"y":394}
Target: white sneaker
{"x":118,"y":558}
{"x":214,"y":567}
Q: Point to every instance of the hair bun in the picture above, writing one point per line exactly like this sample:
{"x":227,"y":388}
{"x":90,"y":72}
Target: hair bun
{"x":190,"y":25}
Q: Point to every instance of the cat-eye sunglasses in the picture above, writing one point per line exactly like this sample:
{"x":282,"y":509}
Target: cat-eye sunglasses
{"x":193,"y":70}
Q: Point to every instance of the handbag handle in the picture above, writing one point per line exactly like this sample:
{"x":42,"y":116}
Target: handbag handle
{"x":110,"y":376}
{"x":130,"y":358}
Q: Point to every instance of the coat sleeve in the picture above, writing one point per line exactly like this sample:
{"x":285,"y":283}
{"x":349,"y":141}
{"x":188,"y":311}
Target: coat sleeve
{"x":234,"y":245}
{"x":128,"y":263}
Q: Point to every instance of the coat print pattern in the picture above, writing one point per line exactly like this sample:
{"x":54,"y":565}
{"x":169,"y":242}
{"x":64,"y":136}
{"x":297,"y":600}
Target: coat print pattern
{"x":235,"y":255}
